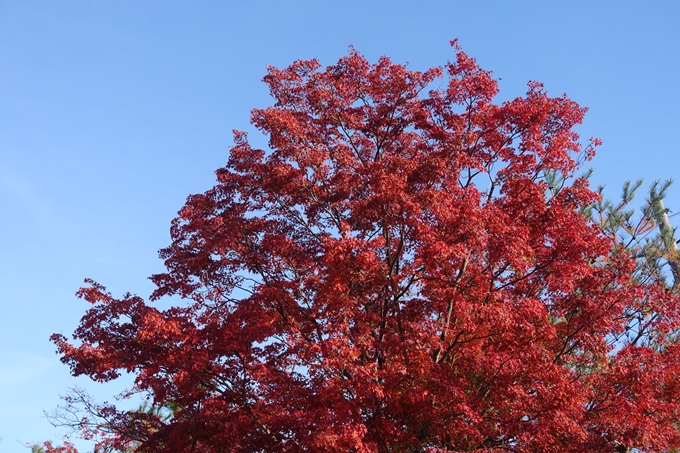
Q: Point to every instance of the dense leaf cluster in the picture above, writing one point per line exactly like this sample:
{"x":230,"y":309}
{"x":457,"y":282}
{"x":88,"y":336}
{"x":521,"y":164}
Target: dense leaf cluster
{"x":408,"y":267}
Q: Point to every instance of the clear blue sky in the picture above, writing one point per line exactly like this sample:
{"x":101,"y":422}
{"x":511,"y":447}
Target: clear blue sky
{"x":112,"y":112}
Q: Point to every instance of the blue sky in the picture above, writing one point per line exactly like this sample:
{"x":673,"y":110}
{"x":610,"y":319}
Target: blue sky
{"x":111,"y":113}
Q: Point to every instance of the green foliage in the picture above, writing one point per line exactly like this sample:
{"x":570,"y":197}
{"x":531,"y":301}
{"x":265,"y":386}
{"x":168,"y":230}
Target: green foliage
{"x":37,"y":448}
{"x":646,"y":232}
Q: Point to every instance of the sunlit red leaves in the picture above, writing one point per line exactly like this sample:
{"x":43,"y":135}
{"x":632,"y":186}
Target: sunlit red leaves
{"x":68,"y":447}
{"x":393,"y":274}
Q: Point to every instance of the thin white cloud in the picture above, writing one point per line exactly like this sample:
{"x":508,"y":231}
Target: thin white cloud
{"x":19,"y":369}
{"x":27,"y":193}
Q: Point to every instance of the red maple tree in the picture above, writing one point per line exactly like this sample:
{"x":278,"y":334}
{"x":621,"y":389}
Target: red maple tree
{"x":395,"y":273}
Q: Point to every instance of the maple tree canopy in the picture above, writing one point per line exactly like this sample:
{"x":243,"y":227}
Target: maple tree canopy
{"x":396,"y":272}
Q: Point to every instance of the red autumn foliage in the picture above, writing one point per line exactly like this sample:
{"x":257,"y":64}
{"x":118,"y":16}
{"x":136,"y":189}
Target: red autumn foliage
{"x":47,"y":447}
{"x":394,"y":273}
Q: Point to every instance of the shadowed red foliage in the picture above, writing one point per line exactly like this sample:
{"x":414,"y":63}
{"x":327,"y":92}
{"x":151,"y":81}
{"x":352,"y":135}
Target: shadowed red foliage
{"x":394,"y":273}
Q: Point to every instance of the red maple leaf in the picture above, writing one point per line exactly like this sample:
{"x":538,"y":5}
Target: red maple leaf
{"x":394,"y":273}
